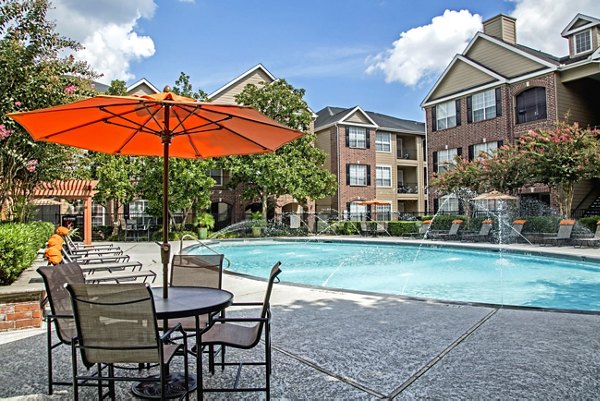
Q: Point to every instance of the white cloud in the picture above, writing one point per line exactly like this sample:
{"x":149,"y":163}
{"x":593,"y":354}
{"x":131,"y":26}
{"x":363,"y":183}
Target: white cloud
{"x":425,"y":51}
{"x":106,"y":30}
{"x":539,"y":22}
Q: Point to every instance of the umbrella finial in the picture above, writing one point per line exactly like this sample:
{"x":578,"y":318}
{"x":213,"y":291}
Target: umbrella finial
{"x":167,"y":89}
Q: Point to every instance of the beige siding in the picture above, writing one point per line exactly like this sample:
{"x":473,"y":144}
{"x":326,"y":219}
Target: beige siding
{"x":509,"y":31}
{"x":501,"y":60}
{"x":580,"y":22}
{"x":228,"y":95}
{"x":460,"y":77}
{"x":577,"y":98}
{"x":141,"y":90}
{"x":358,"y":117}
{"x":493,"y":28}
{"x":323,"y":142}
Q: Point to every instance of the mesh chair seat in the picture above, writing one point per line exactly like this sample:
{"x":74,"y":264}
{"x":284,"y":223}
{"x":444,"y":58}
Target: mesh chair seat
{"x":187,"y":323}
{"x":233,"y":335}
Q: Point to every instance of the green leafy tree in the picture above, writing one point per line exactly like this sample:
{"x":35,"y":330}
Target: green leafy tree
{"x":115,"y":174}
{"x":296,"y":168}
{"x":560,"y":158}
{"x":189,"y":180}
{"x":34,"y":73}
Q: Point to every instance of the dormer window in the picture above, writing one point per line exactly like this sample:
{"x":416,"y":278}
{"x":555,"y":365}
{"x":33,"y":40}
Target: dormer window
{"x":583,"y":41}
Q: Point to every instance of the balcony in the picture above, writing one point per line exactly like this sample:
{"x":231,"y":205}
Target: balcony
{"x":408,"y":188}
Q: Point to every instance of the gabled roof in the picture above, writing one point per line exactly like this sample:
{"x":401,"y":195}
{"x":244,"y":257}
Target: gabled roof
{"x":330,"y":115}
{"x":100,"y":87}
{"x":241,"y":78}
{"x":546,"y":61}
{"x":142,"y":81}
{"x":579,"y":23}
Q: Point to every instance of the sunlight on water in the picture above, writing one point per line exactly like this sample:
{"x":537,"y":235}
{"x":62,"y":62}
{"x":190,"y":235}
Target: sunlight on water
{"x":445,"y":274}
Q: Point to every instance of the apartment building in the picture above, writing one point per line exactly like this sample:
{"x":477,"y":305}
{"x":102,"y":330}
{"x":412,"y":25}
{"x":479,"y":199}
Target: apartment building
{"x":378,"y":161}
{"x":497,"y":89}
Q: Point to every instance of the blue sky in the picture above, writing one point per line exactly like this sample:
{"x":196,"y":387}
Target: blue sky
{"x":383,"y":55}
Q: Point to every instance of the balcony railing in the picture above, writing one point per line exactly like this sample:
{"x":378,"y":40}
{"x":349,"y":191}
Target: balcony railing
{"x":408,"y":188}
{"x":407,"y":154}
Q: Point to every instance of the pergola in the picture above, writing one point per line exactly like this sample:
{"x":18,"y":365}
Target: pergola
{"x":71,"y":190}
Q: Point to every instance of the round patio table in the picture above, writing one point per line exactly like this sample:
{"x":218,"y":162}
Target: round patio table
{"x":184,"y":302}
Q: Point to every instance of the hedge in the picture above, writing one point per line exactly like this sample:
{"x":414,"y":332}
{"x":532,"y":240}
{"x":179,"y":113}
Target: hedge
{"x":444,"y":221}
{"x":19,"y":244}
{"x":540,"y":224}
{"x":401,"y":228}
{"x":589,"y":222}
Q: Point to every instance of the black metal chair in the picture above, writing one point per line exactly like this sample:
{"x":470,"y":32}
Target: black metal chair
{"x":229,"y":332}
{"x":116,"y":324}
{"x":61,"y":313}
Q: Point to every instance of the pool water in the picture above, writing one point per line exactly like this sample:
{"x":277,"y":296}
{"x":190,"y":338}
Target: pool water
{"x":438,"y":273}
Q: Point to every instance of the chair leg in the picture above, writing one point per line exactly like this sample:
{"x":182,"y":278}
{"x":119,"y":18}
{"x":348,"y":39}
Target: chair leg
{"x":49,"y":344}
{"x":100,"y":381}
{"x":74,"y":370}
{"x":163,"y":380}
{"x":185,"y":369}
{"x":268,"y":360}
{"x":111,"y":383}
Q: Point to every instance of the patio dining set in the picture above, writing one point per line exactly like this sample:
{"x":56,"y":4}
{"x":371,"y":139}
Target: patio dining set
{"x":119,"y":327}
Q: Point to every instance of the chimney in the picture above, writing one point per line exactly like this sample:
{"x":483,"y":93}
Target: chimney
{"x":501,"y":27}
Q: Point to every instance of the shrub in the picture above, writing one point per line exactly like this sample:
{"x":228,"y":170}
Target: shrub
{"x":401,"y":228}
{"x":19,"y":244}
{"x":346,"y":227}
{"x":540,"y":224}
{"x":589,"y":222}
{"x":444,"y":221}
{"x":173,"y":235}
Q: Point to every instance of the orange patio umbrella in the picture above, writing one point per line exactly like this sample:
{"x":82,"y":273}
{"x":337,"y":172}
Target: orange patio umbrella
{"x":374,"y":202}
{"x":162,"y":124}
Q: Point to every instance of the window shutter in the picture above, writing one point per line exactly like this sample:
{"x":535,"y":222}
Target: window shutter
{"x":436,"y":205}
{"x":471,"y":155}
{"x":435,"y":162}
{"x":347,"y":137}
{"x":433,"y":120}
{"x":459,"y":151}
{"x":368,"y":138}
{"x":469,"y":109}
{"x":500,"y":143}
{"x":347,"y":174}
{"x":457,"y":105}
{"x":498,"y":102}
{"x":368,"y":174}
{"x":348,"y":217}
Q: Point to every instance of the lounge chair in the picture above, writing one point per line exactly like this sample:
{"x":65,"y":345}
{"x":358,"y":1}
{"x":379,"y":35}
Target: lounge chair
{"x":562,"y":237}
{"x":82,"y":247}
{"x":114,"y":272}
{"x":590,"y":242}
{"x":229,"y":332}
{"x":116,"y":324}
{"x":484,"y":233}
{"x":450,"y":235}
{"x":514,"y":235}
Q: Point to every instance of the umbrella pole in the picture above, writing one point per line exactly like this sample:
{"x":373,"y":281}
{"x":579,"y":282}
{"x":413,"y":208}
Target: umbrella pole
{"x":165,"y":249}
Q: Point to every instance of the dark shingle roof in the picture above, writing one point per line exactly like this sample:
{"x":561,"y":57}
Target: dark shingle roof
{"x":330,"y":115}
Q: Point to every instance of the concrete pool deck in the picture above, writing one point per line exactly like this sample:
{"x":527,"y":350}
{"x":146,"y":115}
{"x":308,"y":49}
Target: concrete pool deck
{"x":345,"y":345}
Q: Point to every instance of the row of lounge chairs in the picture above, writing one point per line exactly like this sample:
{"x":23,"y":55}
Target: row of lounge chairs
{"x":564,"y":235}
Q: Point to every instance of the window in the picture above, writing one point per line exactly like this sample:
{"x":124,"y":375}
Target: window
{"x":448,"y":204}
{"x":137,"y":208}
{"x":583,"y":41}
{"x":383,"y":142}
{"x":357,"y":137}
{"x":484,"y":105}
{"x":446,"y":115}
{"x":531,"y":105}
{"x":488,"y":147}
{"x":384,"y":176}
{"x":217,"y":175}
{"x":98,"y":215}
{"x":358,"y":212}
{"x":445,"y":159}
{"x":358,"y":174}
{"x":383,"y":212}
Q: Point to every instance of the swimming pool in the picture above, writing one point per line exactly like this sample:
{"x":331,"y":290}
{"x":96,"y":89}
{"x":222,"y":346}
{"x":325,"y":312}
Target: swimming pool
{"x":439,"y":273}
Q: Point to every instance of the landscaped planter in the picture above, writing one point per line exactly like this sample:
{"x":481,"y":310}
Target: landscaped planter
{"x":21,"y":310}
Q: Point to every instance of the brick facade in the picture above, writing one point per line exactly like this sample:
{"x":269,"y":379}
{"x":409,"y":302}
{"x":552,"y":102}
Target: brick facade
{"x":503,"y":128}
{"x":350,"y":193}
{"x":21,"y":311}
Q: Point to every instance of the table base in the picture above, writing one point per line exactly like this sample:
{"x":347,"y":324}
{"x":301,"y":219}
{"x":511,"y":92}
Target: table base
{"x":174,"y":388}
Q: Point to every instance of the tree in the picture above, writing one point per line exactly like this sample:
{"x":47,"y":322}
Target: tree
{"x":560,"y":158}
{"x":34,"y":74}
{"x":115,"y":174}
{"x":189,"y":180}
{"x":296,"y":168}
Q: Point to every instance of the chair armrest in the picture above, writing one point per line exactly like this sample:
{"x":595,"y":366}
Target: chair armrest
{"x":240,"y":319}
{"x":247,"y":304}
{"x":167,"y":334}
